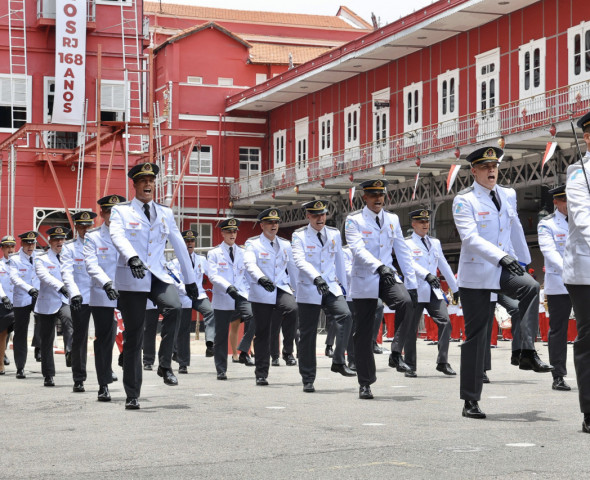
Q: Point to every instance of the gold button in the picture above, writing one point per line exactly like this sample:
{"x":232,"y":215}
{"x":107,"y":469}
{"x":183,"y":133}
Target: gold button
{"x":499,"y":244}
{"x":149,"y":254}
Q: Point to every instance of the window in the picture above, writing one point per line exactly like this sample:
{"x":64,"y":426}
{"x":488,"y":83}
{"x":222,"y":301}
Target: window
{"x":448,"y":96}
{"x":531,"y":59}
{"x":381,"y":117}
{"x":352,"y":116}
{"x":578,"y":46}
{"x":55,"y":139}
{"x":225,"y":82}
{"x":15,"y":95}
{"x":260,"y":78}
{"x":325,"y":123}
{"x":279,"y":140}
{"x":205,"y":238}
{"x":201,"y":162}
{"x":249,"y":161}
{"x":413,"y":107}
{"x":194,"y":80}
{"x":487,"y":69}
{"x":301,"y":133}
{"x":112,"y":101}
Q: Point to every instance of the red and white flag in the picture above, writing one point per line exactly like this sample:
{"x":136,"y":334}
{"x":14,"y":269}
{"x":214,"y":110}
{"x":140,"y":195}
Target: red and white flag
{"x":549,"y":151}
{"x":351,"y":195}
{"x":452,"y":176}
{"x":416,"y":184}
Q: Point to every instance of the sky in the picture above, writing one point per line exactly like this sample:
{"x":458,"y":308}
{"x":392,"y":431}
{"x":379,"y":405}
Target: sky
{"x":385,"y":10}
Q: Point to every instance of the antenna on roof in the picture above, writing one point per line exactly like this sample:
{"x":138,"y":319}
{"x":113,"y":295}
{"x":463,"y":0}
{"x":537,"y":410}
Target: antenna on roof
{"x":374,"y":20}
{"x":290,"y":60}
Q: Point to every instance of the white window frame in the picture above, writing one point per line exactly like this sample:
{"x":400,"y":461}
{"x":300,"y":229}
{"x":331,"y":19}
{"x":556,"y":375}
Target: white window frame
{"x":413,"y":95}
{"x":279,"y":142}
{"x":381,"y":125}
{"x":448,"y":103}
{"x":225,"y":82}
{"x":205,"y":234}
{"x":352,"y":122}
{"x":532,"y":97}
{"x":206,"y":161}
{"x":6,"y":99}
{"x":261,"y":78}
{"x":487,"y":69}
{"x":118,"y":107}
{"x":575,"y":79}
{"x":325,"y":139}
{"x":301,"y":148}
{"x":250,"y":171}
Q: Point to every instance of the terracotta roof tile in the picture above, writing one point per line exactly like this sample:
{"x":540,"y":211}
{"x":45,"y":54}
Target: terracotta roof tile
{"x":279,"y":54}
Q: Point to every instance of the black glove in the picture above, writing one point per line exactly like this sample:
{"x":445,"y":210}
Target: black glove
{"x":64,"y":291}
{"x":137,"y":267}
{"x":33,"y":292}
{"x":232,"y":292}
{"x":512,"y":265}
{"x":434,"y":282}
{"x":414,"y":296}
{"x":6,"y":303}
{"x":266,"y":283}
{"x":386,"y":274}
{"x":456,"y":296}
{"x":111,"y":292}
{"x":322,"y":286}
{"x":76,"y":302}
{"x":192,"y":291}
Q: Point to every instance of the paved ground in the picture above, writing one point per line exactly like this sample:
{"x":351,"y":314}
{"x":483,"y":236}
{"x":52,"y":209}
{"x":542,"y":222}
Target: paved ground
{"x":205,"y":428}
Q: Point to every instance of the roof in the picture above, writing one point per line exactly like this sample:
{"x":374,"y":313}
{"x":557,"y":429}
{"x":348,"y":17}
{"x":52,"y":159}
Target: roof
{"x":279,"y":54}
{"x":350,"y":21}
{"x":198,"y":28}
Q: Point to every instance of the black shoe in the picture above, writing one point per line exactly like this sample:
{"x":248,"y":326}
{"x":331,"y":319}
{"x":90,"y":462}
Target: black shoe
{"x":377,"y":349}
{"x":365,"y":392}
{"x":289,"y":359}
{"x":104,"y":394}
{"x":329,"y":351}
{"x":261,"y":381}
{"x":20,"y":373}
{"x":174,"y":357}
{"x":235,"y":360}
{"x":342,"y":370}
{"x":485,"y":378}
{"x":446,"y":369}
{"x":221,"y":376}
{"x":182,"y":369}
{"x":559,"y":384}
{"x":148,"y":366}
{"x":529,"y":360}
{"x":410,"y":374}
{"x":114,"y":376}
{"x":396,"y":361}
{"x":120,"y":360}
{"x":245,"y":359}
{"x":2,"y":372}
{"x":586,"y":423}
{"x":168,"y":375}
{"x":352,"y":366}
{"x":515,"y":358}
{"x":275,"y":362}
{"x":49,"y":382}
{"x":132,"y":403}
{"x":37,"y":354}
{"x":79,"y":387}
{"x":308,"y":387}
{"x":209,"y":350}
{"x":471,"y":410}
{"x":6,"y":360}
{"x":68,"y":359}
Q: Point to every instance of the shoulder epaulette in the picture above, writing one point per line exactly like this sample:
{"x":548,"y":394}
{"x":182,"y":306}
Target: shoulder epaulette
{"x":161,"y":204}
{"x":12,"y":254}
{"x":300,"y":229}
{"x":504,"y":186}
{"x":95,"y":229}
{"x":40,"y":254}
{"x":408,"y":237}
{"x":72,"y":240}
{"x":242,"y":246}
{"x":281,"y":238}
{"x":466,"y":190}
{"x":253,"y":238}
{"x":128,"y":202}
{"x":332,"y":228}
{"x":549,"y":217}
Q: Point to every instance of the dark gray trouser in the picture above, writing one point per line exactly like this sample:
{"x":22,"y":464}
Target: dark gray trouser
{"x":309,"y":315}
{"x":149,"y":335}
{"x":80,"y":321}
{"x":132,"y":306}
{"x":330,"y":330}
{"x":203,"y":306}
{"x":350,"y":348}
{"x":397,"y":298}
{"x":64,"y":314}
{"x":284,"y":318}
{"x":264,"y":315}
{"x":437,"y":309}
{"x":378,"y":319}
{"x":104,"y":327}
{"x":22,"y":317}
{"x":560,"y":307}
{"x":243,"y":310}
{"x":580,"y":297}
{"x":6,"y":321}
{"x":182,"y":338}
{"x":511,"y":306}
{"x":478,"y":313}
{"x":47,"y":332}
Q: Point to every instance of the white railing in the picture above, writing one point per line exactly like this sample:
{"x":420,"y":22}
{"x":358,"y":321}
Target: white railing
{"x":518,"y":116}
{"x":46,"y":9}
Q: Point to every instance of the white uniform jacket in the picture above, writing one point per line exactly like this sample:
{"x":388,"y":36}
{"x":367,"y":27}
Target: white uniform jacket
{"x":427,"y":261}
{"x":487,"y":235}
{"x":134,"y":235}
{"x":200,"y":268}
{"x":23,"y":277}
{"x":100,"y":258}
{"x":372,"y":247}
{"x":552,"y":232}
{"x":48,"y":271}
{"x":347,"y":252}
{"x":263,"y":260}
{"x":223,"y":273}
{"x":314,"y":260}
{"x":73,"y":269}
{"x":6,"y":286}
{"x":576,"y":260}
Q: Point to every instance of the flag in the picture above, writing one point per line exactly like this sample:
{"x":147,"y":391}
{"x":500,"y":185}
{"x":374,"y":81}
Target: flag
{"x":416,"y":184}
{"x":452,"y":176}
{"x":549,"y":151}
{"x":120,"y":330}
{"x":351,"y":196}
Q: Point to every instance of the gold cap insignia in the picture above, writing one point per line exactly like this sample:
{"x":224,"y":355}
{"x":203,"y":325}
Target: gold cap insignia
{"x":59,"y":230}
{"x":273,"y":213}
{"x":424,"y":213}
{"x":147,"y":167}
{"x":232,"y":223}
{"x":85,"y":216}
{"x":319,"y":204}
{"x":378,"y":183}
{"x":31,"y":235}
{"x":489,"y":153}
{"x":114,"y":199}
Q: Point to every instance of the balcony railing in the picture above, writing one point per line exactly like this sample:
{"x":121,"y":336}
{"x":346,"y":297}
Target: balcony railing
{"x":518,"y":116}
{"x":46,"y":9}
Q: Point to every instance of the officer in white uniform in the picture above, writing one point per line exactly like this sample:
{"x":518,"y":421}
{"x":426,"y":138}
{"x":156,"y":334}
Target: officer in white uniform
{"x":317,"y":252}
{"x":8,"y":243}
{"x":269,"y":261}
{"x":227,"y":272}
{"x":373,"y":236}
{"x":139,"y":231}
{"x":100,"y":258}
{"x":53,"y":298}
{"x":487,"y":220}
{"x":26,"y":290}
{"x":78,"y":283}
{"x":553,"y":230}
{"x":428,"y":257}
{"x":576,"y":267}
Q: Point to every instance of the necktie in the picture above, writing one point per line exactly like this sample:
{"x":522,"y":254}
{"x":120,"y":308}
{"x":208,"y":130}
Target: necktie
{"x":31,"y":260}
{"x":566,"y":218}
{"x":320,"y":238}
{"x":495,"y":200}
{"x":58,"y":259}
{"x":272,"y":244}
{"x":378,"y":222}
{"x":231,"y":253}
{"x":425,"y":244}
{"x":192,"y":261}
{"x":146,"y":209}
